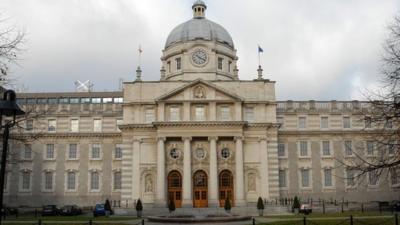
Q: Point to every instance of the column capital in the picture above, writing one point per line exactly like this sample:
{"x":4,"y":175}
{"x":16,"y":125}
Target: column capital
{"x":212,"y":138}
{"x":238,"y":138}
{"x":161,"y":138}
{"x":184,"y":138}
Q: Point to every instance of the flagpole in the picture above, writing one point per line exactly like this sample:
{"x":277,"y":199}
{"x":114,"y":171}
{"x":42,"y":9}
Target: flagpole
{"x":259,"y":58}
{"x":140,"y":55}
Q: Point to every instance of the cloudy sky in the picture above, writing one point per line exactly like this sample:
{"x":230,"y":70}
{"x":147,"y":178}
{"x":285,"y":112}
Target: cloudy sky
{"x":314,"y":49}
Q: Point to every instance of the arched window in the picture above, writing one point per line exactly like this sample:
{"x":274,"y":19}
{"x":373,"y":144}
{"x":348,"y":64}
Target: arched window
{"x":174,"y":180}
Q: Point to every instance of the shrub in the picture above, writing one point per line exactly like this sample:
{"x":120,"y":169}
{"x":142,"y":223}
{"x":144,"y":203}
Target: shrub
{"x":107,"y":205}
{"x":260,"y":203}
{"x":139,"y":206}
{"x":171,"y":205}
{"x":227,"y":205}
{"x":296,"y":203}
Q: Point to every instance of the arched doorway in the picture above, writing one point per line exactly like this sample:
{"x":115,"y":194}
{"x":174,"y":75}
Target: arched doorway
{"x":200,"y":198}
{"x":226,"y":187}
{"x":175,"y":188}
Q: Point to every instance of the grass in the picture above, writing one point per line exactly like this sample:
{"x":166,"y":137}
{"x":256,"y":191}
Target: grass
{"x":370,"y":221}
{"x":335,"y":214}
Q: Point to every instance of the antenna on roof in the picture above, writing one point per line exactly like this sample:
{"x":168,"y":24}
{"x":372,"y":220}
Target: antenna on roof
{"x":86,"y":86}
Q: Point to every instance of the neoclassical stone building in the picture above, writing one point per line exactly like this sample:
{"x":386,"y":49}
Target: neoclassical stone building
{"x":196,"y":136}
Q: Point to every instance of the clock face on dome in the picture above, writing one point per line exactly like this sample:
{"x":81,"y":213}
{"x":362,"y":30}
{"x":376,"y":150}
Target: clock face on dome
{"x":199,"y":57}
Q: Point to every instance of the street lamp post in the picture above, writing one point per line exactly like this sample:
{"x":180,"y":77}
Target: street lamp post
{"x":8,"y":108}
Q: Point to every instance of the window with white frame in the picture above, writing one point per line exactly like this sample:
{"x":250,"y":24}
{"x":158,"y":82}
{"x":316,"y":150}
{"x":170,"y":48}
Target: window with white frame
{"x":49,"y":154}
{"x":174,"y":113}
{"x":74,"y":125}
{"x":149,"y":115}
{"x":326,"y":148}
{"x":118,"y":100}
{"x":303,"y":146}
{"x":97,"y":125}
{"x":328,"y":177}
{"x":305,"y":177}
{"x":73,"y":151}
{"x":48,"y":180}
{"x":27,"y":152}
{"x":71,"y":180}
{"x":368,"y":122}
{"x":225,"y":113}
{"x":94,"y":180}
{"x":370,"y":147}
{"x":51,"y":125}
{"x":26,"y":180}
{"x":348,"y":148}
{"x":350,"y":177}
{"x":249,"y":114}
{"x":373,"y":177}
{"x":96,"y":151}
{"x":199,"y":113}
{"x":29,"y":125}
{"x":324,"y":122}
{"x":394,"y":176}
{"x":346,"y":122}
{"x":117,"y":180}
{"x":281,"y":121}
{"x":118,"y":151}
{"x":302,"y":122}
{"x":281,"y":150}
{"x":282,"y":178}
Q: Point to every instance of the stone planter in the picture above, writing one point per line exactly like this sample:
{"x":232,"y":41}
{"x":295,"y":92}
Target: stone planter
{"x":296,"y":210}
{"x":139,"y":213}
{"x":260,"y":212}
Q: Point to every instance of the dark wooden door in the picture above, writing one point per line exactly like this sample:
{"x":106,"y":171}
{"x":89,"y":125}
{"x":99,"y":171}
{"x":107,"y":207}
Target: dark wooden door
{"x":175,"y":188}
{"x":226,"y":187}
{"x":200,"y":195}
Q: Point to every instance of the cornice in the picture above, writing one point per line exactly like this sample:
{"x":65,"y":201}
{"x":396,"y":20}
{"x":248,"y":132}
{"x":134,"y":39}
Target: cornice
{"x":68,"y":135}
{"x":200,"y":124}
{"x":333,"y":132}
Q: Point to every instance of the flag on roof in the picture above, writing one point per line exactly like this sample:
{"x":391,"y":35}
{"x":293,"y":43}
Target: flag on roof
{"x":260,"y":49}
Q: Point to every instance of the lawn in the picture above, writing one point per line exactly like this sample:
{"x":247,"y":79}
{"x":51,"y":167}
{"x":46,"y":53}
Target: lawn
{"x":336,"y":214}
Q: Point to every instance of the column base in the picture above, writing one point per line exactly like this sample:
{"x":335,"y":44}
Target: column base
{"x":212,"y":203}
{"x":187,"y":203}
{"x":240,"y":202}
{"x":160,"y":204}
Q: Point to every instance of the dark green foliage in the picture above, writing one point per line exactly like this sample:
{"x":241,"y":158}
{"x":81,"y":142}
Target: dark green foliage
{"x":260,"y":203}
{"x":296,"y":203}
{"x":139,"y":206}
{"x":171,"y":205}
{"x":227,"y":205}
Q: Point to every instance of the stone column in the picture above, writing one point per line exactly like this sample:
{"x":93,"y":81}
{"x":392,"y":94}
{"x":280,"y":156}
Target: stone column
{"x":239,"y":187}
{"x":213,"y":178}
{"x":187,"y":173}
{"x":264,"y":167}
{"x":160,"y":198}
{"x":136,"y":169}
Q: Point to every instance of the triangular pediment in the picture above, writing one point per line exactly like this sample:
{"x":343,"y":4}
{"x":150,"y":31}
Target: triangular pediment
{"x":199,"y":90}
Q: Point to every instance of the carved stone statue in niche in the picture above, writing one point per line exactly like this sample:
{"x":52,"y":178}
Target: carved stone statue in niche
{"x":199,"y":92}
{"x":251,"y":183}
{"x":148,"y":184}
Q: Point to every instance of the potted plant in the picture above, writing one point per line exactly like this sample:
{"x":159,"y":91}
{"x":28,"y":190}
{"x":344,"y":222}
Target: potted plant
{"x":107,"y":208}
{"x":139,"y":208}
{"x":260,"y":206}
{"x":171,"y":206}
{"x":227,"y":205}
{"x":296,"y":205}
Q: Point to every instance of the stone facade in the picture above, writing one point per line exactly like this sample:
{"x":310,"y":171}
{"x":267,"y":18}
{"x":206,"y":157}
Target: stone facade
{"x":196,"y":136}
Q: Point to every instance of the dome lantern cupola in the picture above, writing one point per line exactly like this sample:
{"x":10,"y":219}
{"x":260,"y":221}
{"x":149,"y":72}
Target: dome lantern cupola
{"x":199,"y":9}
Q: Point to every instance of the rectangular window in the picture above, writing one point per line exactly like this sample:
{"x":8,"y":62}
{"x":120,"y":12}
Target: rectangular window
{"x":324,"y":122}
{"x":350,"y":177}
{"x":229,"y":66}
{"x":348,"y":148}
{"x":305,"y":177}
{"x":174,"y":113}
{"x":328,"y":177}
{"x":220,"y":63}
{"x":86,"y":100}
{"x":326,"y":151}
{"x":281,"y":150}
{"x":26,"y":180}
{"x":48,"y":181}
{"x":94,"y":181}
{"x":51,"y":125}
{"x":64,"y":100}
{"x":302,"y":122}
{"x":178,"y":63}
{"x":96,"y":151}
{"x":282,"y":178}
{"x":27,"y":154}
{"x":303,"y":148}
{"x":50,"y":151}
{"x":370,"y":147}
{"x":118,"y":151}
{"x":368,"y":122}
{"x":118,"y":100}
{"x":74,"y":100}
{"x":107,"y":100}
{"x":199,"y":113}
{"x":225,"y":113}
{"x":149,"y":115}
{"x":96,"y":100}
{"x":29,"y":125}
{"x":74,"y":125}
{"x":73,"y":151}
{"x":97,"y":125}
{"x":249,"y":114}
{"x":53,"y":101}
{"x":373,"y":177}
{"x":42,"y":101}
{"x":71,"y":183}
{"x":117,"y":181}
{"x":346,"y":122}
